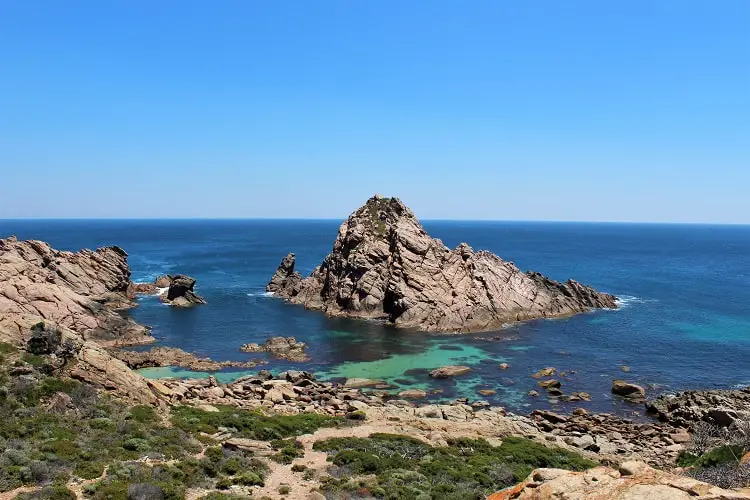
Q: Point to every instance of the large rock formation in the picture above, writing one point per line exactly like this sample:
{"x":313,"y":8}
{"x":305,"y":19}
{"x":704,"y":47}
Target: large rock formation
{"x":89,"y":361}
{"x":384,"y":265}
{"x":81,"y":291}
{"x":180,"y":291}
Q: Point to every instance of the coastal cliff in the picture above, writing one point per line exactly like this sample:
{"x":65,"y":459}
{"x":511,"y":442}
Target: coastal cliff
{"x":81,"y":291}
{"x":384,"y":265}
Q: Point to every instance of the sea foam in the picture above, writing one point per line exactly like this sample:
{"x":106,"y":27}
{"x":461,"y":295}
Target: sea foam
{"x":624,"y":301}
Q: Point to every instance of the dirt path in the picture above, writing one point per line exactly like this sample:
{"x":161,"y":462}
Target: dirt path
{"x":10,"y":495}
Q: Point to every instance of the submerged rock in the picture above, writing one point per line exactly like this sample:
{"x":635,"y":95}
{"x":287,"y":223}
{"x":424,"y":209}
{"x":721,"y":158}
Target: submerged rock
{"x":628,"y":391}
{"x":412,"y":394}
{"x":384,"y":265}
{"x":449,"y":371}
{"x":359,"y":383}
{"x":549,"y":384}
{"x":280,"y":347}
{"x":545,"y":372}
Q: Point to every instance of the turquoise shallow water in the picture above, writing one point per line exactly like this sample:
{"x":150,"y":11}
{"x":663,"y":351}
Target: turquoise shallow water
{"x":685,"y":320}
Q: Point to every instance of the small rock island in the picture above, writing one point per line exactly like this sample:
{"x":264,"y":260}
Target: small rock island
{"x":384,"y":265}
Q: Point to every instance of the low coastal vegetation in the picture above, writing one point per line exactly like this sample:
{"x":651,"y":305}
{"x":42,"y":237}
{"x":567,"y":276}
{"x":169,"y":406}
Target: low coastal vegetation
{"x":55,"y":432}
{"x":64,"y":439}
{"x":395,"y":467}
{"x":719,"y":455}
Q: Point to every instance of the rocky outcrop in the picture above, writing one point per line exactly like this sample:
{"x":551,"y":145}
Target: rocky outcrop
{"x":285,"y":281}
{"x":81,"y":291}
{"x":630,"y":481}
{"x":449,"y":371}
{"x":614,"y":437}
{"x":719,"y":407}
{"x":628,"y":390}
{"x":280,"y":347}
{"x":384,"y":265}
{"x":81,"y":359}
{"x":172,"y":356}
{"x":179,"y":291}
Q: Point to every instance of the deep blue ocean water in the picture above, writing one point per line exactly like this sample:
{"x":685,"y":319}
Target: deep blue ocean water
{"x":684,"y":321}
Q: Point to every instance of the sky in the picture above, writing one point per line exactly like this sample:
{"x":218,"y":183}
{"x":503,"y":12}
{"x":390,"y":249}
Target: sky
{"x":542,"y":110}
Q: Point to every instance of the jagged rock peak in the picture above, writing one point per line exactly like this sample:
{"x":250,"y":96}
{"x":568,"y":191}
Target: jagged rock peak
{"x":384,"y":265}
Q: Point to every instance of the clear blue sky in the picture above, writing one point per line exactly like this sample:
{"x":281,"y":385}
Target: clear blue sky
{"x":551,"y":110}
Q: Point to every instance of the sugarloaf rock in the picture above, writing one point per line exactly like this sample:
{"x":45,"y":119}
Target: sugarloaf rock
{"x":384,"y":265}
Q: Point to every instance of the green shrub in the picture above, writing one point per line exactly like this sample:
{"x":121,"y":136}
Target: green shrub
{"x":137,"y":444}
{"x":224,"y":483}
{"x":248,"y":479}
{"x":717,"y":456}
{"x":89,"y":470}
{"x":250,"y":424}
{"x":49,"y":493}
{"x":284,"y":489}
{"x":143,"y":414}
{"x":289,"y":449}
{"x":33,"y":360}
{"x":231,"y":466}
{"x":299,"y":468}
{"x":6,"y":348}
{"x":405,"y":467}
{"x":356,"y":415}
{"x":101,"y":423}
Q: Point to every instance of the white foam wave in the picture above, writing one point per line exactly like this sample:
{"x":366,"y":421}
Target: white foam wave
{"x":624,"y":301}
{"x":260,"y":294}
{"x":160,"y":291}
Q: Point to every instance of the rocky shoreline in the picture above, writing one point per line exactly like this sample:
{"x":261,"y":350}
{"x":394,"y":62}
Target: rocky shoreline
{"x":172,"y":356}
{"x":608,"y":437}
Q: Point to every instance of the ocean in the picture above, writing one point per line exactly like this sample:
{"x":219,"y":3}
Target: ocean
{"x":684,"y":320}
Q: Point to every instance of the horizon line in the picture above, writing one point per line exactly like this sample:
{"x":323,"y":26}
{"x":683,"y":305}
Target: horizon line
{"x":335,"y":219}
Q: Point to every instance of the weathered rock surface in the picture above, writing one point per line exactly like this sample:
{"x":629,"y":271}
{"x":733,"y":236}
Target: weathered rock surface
{"x":449,"y":371}
{"x":172,"y":356}
{"x":633,"y":481}
{"x":384,"y":265}
{"x":412,"y":394}
{"x":81,"y":291}
{"x":545,"y":372}
{"x":720,"y":407}
{"x":180,"y":291}
{"x":280,"y":347}
{"x":90,"y":361}
{"x":359,"y":383}
{"x":628,"y":391}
